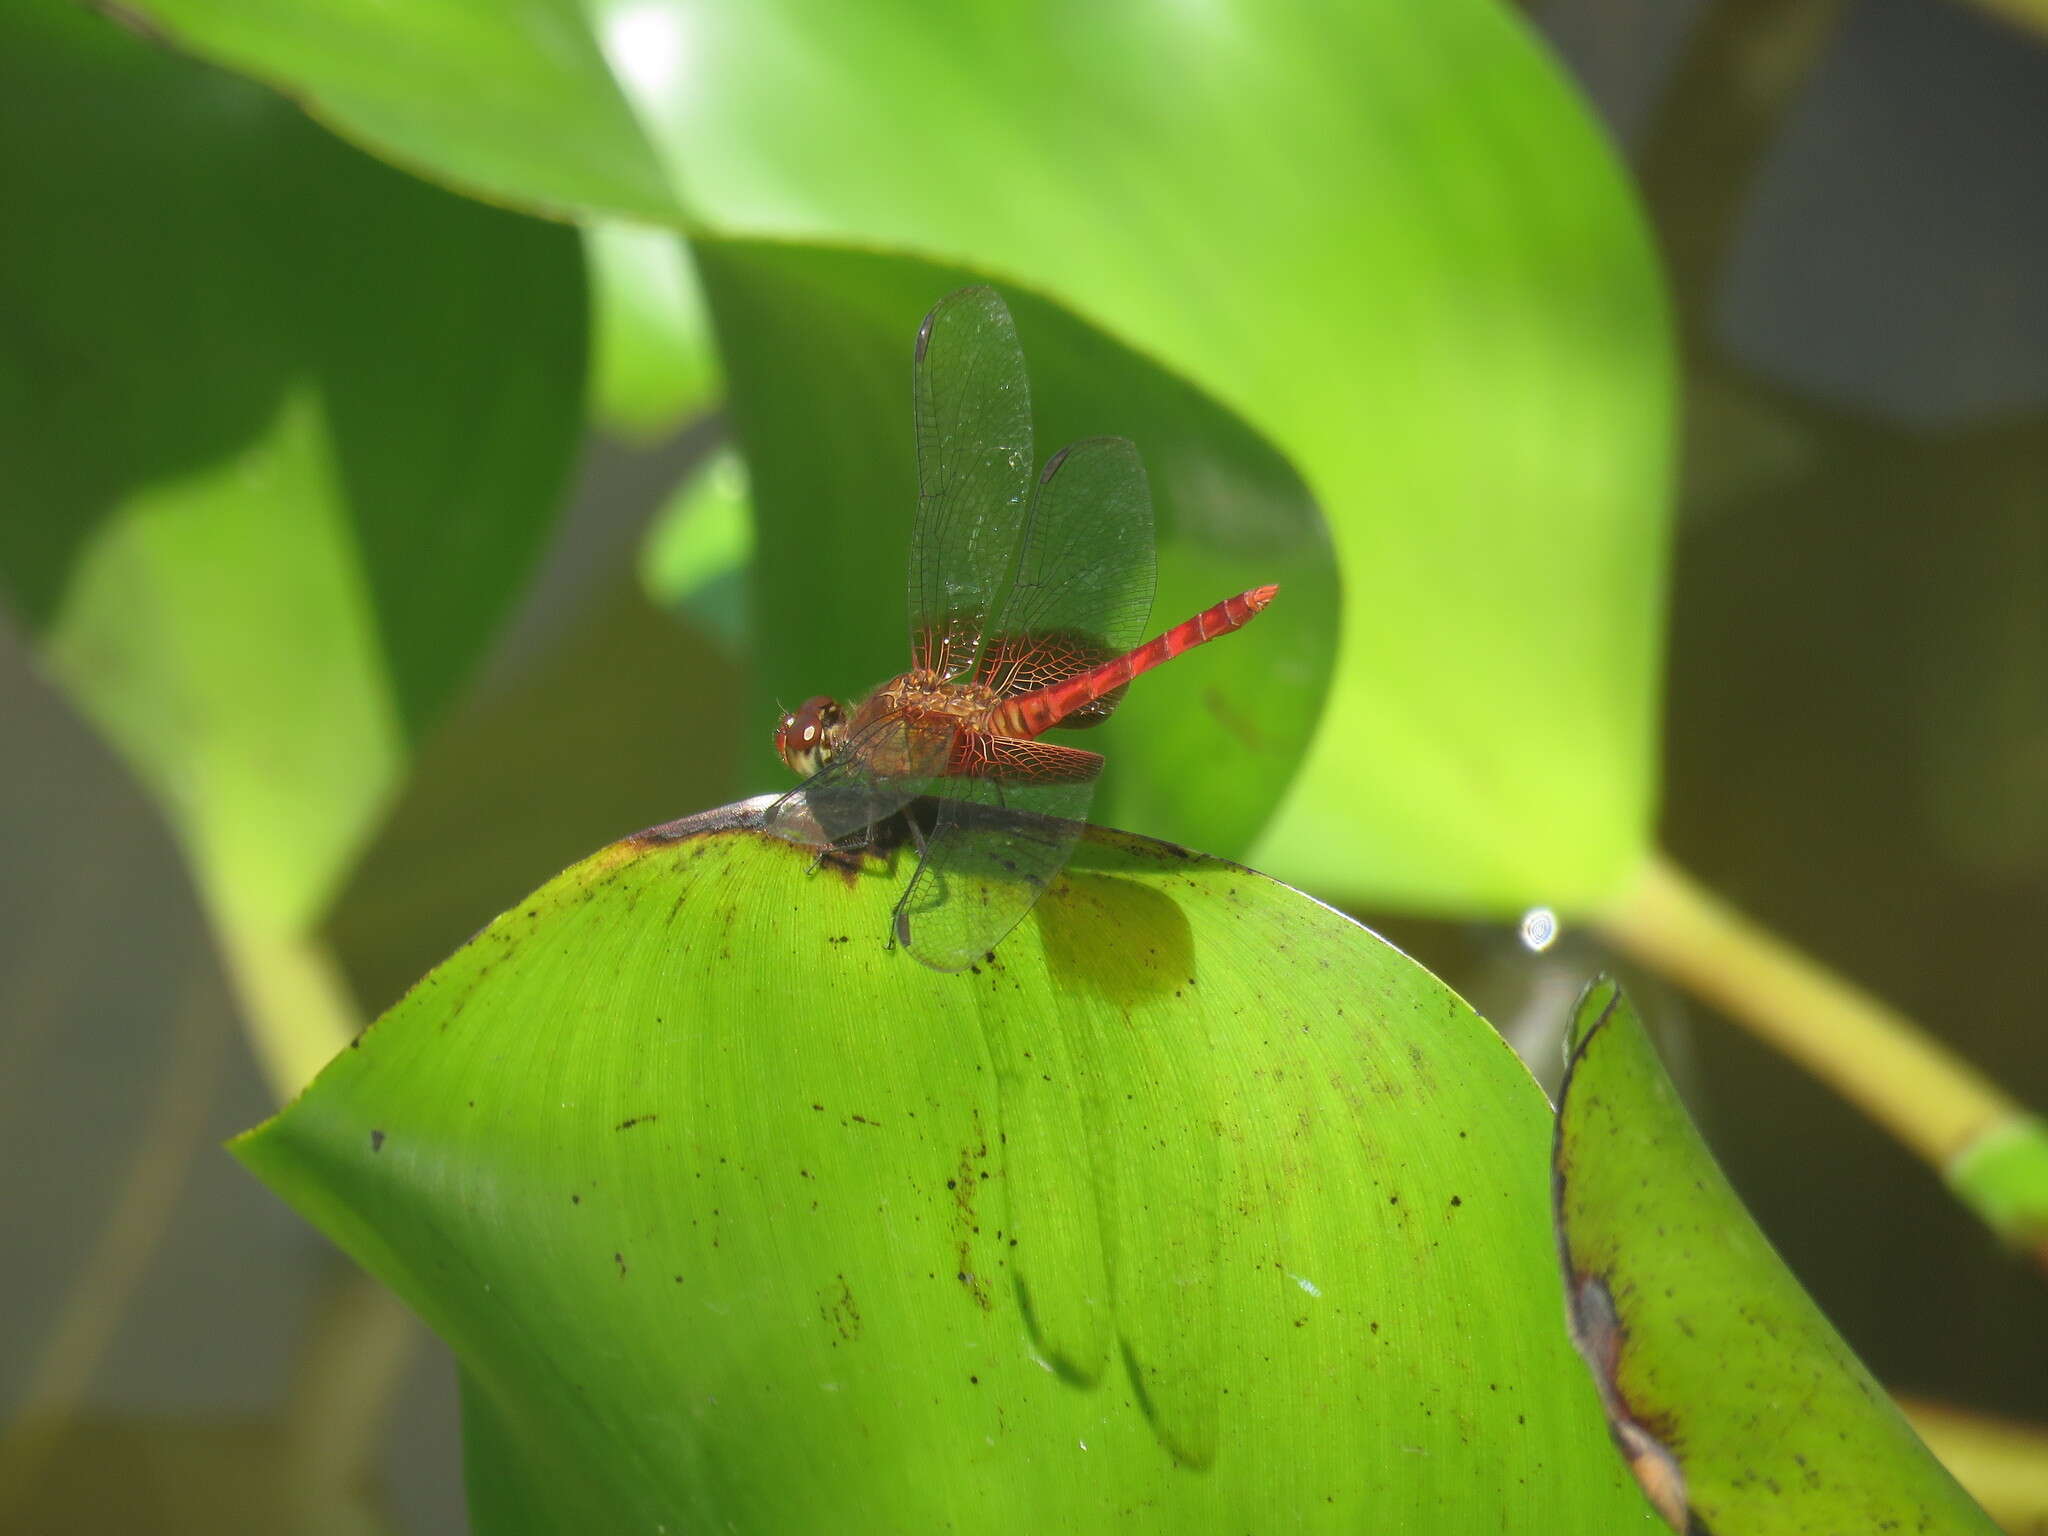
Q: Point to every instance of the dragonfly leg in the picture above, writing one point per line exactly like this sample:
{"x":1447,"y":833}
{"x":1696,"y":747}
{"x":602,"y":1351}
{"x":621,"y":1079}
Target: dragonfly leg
{"x":846,"y":848}
{"x":899,"y":921}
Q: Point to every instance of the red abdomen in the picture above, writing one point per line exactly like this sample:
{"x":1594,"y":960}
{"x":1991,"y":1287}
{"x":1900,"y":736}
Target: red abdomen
{"x":1031,"y":713}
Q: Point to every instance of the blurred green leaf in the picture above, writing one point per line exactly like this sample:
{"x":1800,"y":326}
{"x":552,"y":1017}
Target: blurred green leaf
{"x":1386,"y":235}
{"x":623,"y":716}
{"x":819,"y":345}
{"x":698,"y":555}
{"x":1730,"y":1393}
{"x":1196,"y":1200}
{"x":282,"y":430}
{"x":652,"y":366}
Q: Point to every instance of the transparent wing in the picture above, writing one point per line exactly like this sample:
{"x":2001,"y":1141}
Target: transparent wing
{"x":1000,"y":837}
{"x":879,"y":769}
{"x":1014,"y":664}
{"x":972,"y":404}
{"x":1085,"y":570}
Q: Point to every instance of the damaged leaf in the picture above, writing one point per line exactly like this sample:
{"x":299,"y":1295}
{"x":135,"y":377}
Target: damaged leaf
{"x":1730,"y":1396}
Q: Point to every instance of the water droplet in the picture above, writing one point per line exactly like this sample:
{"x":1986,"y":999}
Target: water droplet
{"x":1539,"y":928}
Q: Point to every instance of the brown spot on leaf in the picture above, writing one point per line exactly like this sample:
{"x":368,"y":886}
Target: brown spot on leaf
{"x":1598,"y":1335}
{"x":838,"y":1308}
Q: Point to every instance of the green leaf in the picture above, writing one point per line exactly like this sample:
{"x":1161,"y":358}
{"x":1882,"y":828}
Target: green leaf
{"x":652,"y":366}
{"x":697,"y":556}
{"x":1385,"y":235}
{"x":1195,"y":1200}
{"x":614,"y":723}
{"x":1729,"y":1391}
{"x":281,"y":430}
{"x":819,"y":344}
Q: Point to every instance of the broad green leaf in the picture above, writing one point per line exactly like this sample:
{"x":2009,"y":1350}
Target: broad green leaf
{"x":698,"y":554}
{"x":652,"y":367}
{"x":1384,"y":234}
{"x":1737,"y":1403}
{"x":620,"y":718}
{"x":280,"y":430}
{"x":1195,"y":1208}
{"x":820,"y":343}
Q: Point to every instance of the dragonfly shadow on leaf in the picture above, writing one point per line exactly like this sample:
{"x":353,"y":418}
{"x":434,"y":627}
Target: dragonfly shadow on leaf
{"x":1121,"y":940}
{"x":1110,"y":1126}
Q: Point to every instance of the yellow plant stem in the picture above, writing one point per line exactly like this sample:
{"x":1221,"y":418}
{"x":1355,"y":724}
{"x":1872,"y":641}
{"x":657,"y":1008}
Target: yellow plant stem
{"x":1870,"y":1053}
{"x":295,"y":1003}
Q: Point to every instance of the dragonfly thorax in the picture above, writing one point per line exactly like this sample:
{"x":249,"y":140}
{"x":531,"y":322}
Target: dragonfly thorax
{"x":927,"y":692}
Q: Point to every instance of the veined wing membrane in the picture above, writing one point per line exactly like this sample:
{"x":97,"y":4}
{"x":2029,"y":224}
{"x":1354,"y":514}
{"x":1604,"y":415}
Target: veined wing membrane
{"x":1085,"y":571}
{"x":972,"y":404}
{"x":996,"y":845}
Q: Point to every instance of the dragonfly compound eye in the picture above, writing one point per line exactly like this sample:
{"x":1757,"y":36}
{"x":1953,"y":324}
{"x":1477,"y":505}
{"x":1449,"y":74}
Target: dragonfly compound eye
{"x":808,"y":735}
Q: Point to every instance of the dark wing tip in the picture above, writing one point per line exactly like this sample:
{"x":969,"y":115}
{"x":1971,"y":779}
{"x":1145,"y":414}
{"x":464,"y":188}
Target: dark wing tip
{"x":1122,"y":445}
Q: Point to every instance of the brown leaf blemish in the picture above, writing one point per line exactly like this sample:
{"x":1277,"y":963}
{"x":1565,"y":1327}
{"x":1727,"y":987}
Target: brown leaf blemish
{"x":1599,"y":1336}
{"x":838,"y":1308}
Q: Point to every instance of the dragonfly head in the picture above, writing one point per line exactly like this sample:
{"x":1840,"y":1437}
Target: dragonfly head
{"x":808,"y":735}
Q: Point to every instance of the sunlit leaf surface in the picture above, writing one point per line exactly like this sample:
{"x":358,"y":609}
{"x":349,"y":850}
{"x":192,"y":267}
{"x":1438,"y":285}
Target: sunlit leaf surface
{"x":1384,"y":234}
{"x":1735,"y":1401}
{"x":1195,"y":1208}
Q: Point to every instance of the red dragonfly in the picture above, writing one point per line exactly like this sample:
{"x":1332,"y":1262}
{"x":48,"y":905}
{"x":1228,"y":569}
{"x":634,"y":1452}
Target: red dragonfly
{"x":1027,"y":598}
